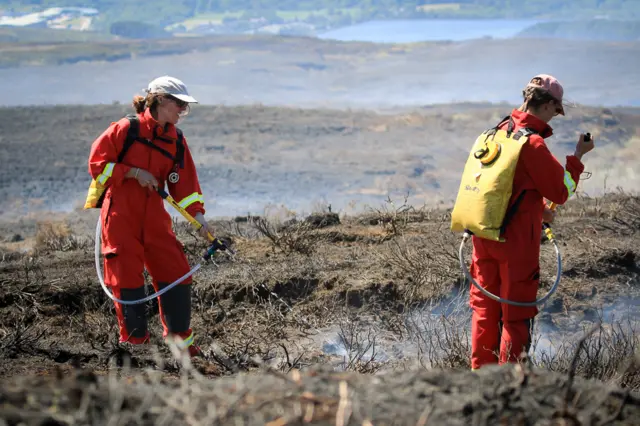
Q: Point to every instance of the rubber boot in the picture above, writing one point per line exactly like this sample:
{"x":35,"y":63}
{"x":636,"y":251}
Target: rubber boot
{"x":175,"y":313}
{"x":132,"y":319}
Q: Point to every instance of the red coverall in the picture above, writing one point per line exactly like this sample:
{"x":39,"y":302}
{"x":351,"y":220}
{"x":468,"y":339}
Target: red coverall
{"x":137,"y":230}
{"x":511,"y":269}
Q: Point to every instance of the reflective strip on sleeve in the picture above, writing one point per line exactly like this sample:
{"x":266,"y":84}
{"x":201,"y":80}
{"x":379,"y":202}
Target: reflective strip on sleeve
{"x":188,"y":341}
{"x":569,"y":183}
{"x":187,"y":201}
{"x":106,"y":173}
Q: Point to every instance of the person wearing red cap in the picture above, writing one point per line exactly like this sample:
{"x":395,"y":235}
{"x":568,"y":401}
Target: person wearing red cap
{"x":136,"y":229}
{"x":500,"y":332}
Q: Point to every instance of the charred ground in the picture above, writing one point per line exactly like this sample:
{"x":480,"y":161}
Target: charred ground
{"x":382,"y":285}
{"x":366,"y":276}
{"x":252,"y":156}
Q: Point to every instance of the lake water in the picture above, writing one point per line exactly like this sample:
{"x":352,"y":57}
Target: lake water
{"x":407,"y":31}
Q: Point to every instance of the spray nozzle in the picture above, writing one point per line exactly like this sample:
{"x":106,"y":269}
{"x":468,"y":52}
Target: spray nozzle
{"x":215,"y":246}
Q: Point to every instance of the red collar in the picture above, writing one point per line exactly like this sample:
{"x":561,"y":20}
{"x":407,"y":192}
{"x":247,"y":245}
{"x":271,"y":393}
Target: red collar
{"x":155,"y":128}
{"x":530,"y":121}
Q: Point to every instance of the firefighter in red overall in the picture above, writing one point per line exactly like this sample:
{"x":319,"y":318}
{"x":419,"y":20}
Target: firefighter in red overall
{"x":500,"y":332}
{"x":136,"y":229}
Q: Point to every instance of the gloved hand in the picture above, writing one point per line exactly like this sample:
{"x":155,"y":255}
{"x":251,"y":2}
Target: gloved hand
{"x":144,"y":178}
{"x":548,"y":215}
{"x":206,"y":228}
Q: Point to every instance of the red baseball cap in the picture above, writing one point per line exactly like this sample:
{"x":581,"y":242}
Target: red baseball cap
{"x":550,"y":84}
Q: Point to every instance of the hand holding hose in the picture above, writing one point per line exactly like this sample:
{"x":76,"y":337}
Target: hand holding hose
{"x":144,"y":178}
{"x":545,"y":223}
{"x":205,"y":230}
{"x":200,"y":224}
{"x":548,"y":215}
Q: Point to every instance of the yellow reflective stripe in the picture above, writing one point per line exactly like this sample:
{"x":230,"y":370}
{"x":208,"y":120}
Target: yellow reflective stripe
{"x":188,"y":341}
{"x":569,"y":183}
{"x":106,"y":173}
{"x":187,"y":201}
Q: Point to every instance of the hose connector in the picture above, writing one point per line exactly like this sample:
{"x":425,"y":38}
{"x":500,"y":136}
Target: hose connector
{"x":548,"y":232}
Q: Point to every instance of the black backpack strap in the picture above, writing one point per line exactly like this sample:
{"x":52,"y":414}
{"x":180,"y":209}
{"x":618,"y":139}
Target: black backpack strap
{"x":511,"y":212}
{"x":525,"y":131}
{"x":151,"y":145}
{"x":132,"y":135}
{"x":492,"y":131}
{"x":179,"y":159}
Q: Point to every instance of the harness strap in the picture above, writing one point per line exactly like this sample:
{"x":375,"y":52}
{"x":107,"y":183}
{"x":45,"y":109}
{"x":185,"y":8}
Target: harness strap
{"x":150,"y":144}
{"x":511,"y":212}
{"x":133,"y":136}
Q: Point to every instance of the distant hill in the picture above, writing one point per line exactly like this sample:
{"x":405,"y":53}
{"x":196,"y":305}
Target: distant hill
{"x":40,"y":35}
{"x":332,"y":12}
{"x":595,"y":29}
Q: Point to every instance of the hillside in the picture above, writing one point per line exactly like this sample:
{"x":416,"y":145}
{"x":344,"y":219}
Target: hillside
{"x":597,"y":29}
{"x":239,"y":16}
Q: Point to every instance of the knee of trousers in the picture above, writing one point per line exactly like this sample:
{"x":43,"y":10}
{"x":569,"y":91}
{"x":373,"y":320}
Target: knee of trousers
{"x":521,"y":330}
{"x":134,"y":316}
{"x":176,"y":307}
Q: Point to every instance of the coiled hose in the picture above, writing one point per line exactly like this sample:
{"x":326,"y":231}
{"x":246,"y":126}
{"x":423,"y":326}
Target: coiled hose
{"x":466,"y":236}
{"x":131,"y":302}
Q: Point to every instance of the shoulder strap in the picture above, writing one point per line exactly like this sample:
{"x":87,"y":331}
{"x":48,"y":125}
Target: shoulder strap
{"x":494,"y":129}
{"x":525,"y":131}
{"x":179,"y":158}
{"x":512,"y":211}
{"x":132,"y":134}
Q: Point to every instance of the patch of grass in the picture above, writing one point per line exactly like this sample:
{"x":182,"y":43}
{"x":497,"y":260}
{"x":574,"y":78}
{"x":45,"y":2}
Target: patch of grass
{"x":47,"y":35}
{"x":57,"y":236}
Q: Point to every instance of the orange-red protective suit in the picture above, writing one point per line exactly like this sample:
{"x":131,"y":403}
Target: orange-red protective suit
{"x":511,"y":269}
{"x":137,"y":230}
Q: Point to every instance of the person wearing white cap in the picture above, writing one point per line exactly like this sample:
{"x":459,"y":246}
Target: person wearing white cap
{"x":173,"y":90}
{"x":128,"y":162}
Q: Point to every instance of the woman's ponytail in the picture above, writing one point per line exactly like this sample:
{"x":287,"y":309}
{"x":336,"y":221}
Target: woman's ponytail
{"x":139,"y":103}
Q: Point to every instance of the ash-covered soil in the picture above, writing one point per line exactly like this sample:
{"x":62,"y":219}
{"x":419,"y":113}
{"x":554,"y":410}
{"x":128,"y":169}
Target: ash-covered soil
{"x":250,"y":157}
{"x":513,"y":395}
{"x":382,"y":282}
{"x":354,"y":314}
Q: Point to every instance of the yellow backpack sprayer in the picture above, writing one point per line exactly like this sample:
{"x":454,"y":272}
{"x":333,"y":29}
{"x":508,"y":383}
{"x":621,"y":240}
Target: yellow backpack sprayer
{"x":481,"y":207}
{"x":216,"y":245}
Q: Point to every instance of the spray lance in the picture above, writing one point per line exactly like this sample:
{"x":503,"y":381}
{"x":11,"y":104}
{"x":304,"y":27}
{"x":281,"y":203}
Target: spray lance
{"x":216,"y":245}
{"x":552,"y":239}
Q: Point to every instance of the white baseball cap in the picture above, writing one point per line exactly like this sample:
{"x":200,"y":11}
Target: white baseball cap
{"x":171,"y":86}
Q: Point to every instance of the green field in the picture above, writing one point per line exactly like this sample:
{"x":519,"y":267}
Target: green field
{"x":40,"y":35}
{"x":286,"y":15}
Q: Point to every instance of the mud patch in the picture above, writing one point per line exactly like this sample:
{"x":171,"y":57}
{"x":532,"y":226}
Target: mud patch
{"x":616,"y":262}
{"x":292,"y":290}
{"x":373,"y":295}
{"x":75,"y":300}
